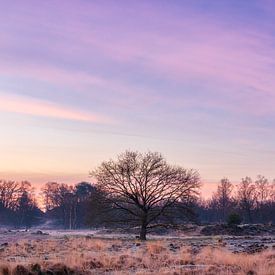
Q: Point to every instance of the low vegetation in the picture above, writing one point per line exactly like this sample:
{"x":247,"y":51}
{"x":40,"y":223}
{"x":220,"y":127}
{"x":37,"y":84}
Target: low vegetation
{"x":87,"y":255}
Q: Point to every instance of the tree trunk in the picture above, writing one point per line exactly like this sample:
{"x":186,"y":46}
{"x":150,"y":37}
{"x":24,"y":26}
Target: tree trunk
{"x":249,"y":216}
{"x":143,"y":229}
{"x":70,"y":218}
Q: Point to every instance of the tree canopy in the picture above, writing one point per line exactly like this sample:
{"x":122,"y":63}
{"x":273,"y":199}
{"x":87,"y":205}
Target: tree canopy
{"x":145,"y":185}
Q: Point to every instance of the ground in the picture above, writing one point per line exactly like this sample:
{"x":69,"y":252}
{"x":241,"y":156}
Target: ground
{"x":99,"y":252}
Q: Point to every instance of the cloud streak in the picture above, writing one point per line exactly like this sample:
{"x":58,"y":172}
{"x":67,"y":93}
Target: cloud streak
{"x":230,"y":59}
{"x":34,"y":107}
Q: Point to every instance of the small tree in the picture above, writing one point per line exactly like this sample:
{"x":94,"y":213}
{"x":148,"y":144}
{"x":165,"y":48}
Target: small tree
{"x":262,"y":189}
{"x":246,"y":195}
{"x":11,"y":192}
{"x":61,"y":197}
{"x":223,"y":197}
{"x":145,"y":185}
{"x":84,"y":191}
{"x":28,"y":212}
{"x":272,"y":192}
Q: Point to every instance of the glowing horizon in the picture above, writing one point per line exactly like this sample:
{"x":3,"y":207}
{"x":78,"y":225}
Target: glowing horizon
{"x":81,"y":82}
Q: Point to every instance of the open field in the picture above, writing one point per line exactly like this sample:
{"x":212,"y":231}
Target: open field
{"x":86,"y":252}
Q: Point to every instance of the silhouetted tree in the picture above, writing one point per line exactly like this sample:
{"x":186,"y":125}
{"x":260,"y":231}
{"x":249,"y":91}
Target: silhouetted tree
{"x":85,"y":193}
{"x":262,"y":189}
{"x":272,"y":191}
{"x":100,"y":211}
{"x":61,"y":199}
{"x":10,"y":193}
{"x":17,"y":204}
{"x":246,"y":195}
{"x":27,"y":211}
{"x":84,"y":190}
{"x":145,"y":185}
{"x":223,"y":197}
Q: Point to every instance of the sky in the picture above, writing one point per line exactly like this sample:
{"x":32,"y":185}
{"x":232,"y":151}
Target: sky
{"x":82,"y":81}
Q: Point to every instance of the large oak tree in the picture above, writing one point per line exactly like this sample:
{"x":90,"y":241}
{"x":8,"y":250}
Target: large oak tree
{"x":145,"y":185}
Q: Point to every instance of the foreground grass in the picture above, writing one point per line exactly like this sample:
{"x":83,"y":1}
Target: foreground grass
{"x":84,"y":255}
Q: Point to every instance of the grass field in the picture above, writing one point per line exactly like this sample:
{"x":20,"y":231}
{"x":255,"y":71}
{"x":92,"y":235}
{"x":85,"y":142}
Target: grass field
{"x":72,"y":254}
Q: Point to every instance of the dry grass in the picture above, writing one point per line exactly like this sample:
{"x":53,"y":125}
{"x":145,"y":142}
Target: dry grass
{"x":95,"y":256}
{"x":260,"y":263}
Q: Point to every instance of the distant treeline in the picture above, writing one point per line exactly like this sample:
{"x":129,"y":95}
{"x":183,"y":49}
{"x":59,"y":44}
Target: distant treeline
{"x":253,"y":201}
{"x":85,"y":205}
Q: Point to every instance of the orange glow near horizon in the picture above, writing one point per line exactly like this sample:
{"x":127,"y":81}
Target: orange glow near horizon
{"x":38,"y":180}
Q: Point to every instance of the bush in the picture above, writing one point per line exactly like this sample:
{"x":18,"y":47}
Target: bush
{"x":234,"y":219}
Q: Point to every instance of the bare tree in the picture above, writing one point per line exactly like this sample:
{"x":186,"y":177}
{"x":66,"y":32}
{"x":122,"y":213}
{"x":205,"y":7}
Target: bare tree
{"x":223,"y":197}
{"x":27,"y":211}
{"x":145,"y":185}
{"x":62,"y":197}
{"x":84,"y":193}
{"x":246,"y":195}
{"x":262,"y":189}
{"x":272,"y":191}
{"x":51,"y":195}
{"x":11,"y":192}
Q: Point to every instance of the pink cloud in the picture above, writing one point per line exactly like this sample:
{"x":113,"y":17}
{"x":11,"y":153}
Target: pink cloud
{"x":117,"y":92}
{"x":235,"y":62}
{"x":30,"y":106}
{"x":231,"y":60}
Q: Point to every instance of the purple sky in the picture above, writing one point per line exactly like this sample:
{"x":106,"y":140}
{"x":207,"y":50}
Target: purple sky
{"x":81,"y":81}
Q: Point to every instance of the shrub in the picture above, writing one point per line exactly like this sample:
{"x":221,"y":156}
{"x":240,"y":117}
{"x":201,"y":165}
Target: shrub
{"x":234,"y":219}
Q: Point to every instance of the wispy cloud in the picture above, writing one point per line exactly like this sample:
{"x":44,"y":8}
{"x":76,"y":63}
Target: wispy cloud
{"x":230,"y":58}
{"x":34,"y":107}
